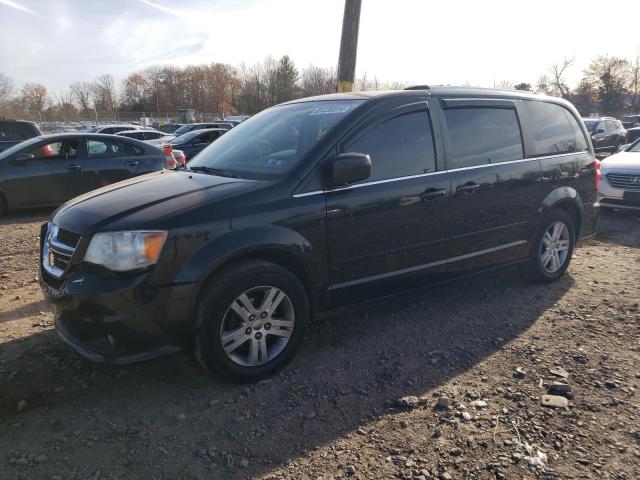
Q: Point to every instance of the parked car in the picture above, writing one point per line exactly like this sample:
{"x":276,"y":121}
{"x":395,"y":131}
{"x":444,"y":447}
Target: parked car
{"x":161,"y":140}
{"x":633,"y":134}
{"x":631,"y":121}
{"x":13,"y":132}
{"x":143,"y":134}
{"x":194,"y":142}
{"x":112,"y":129}
{"x":607,"y":133}
{"x":313,"y":205}
{"x":170,"y":127}
{"x":49,"y":170}
{"x":619,"y":186}
{"x":194,"y":126}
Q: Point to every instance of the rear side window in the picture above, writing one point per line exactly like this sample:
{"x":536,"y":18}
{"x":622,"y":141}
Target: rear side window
{"x":111,"y":148}
{"x":482,"y":136}
{"x":399,"y":147}
{"x":553,"y":129}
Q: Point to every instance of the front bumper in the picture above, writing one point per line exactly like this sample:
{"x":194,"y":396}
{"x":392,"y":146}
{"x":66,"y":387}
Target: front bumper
{"x":612,"y":197}
{"x":119,"y":319}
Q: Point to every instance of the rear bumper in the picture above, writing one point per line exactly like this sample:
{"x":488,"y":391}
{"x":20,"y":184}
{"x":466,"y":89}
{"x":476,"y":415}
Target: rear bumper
{"x":118,"y":320}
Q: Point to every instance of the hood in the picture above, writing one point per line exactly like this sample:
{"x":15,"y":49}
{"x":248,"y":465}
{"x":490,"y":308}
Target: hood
{"x":623,"y":161}
{"x":150,"y":198}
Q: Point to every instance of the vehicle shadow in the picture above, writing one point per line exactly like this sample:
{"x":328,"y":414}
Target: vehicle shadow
{"x":183,"y":423}
{"x":24,"y":311}
{"x":620,"y":227}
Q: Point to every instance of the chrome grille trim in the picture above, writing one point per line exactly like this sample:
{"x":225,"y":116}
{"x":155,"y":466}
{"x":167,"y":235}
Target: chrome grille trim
{"x":625,"y":181}
{"x":57,"y":251}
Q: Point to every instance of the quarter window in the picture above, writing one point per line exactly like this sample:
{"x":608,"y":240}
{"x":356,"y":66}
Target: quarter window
{"x":56,"y":150}
{"x":481,"y":136}
{"x":553,"y":129}
{"x":398,"y":147}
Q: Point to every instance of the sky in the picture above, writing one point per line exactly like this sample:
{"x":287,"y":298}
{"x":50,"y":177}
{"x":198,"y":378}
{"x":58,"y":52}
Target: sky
{"x":57,"y":42}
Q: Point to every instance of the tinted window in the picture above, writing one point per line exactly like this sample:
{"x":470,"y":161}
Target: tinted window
{"x":612,"y":125}
{"x":110,"y":148}
{"x":16,"y":132}
{"x":480,"y":136}
{"x":553,"y":129}
{"x":398,"y":147}
{"x":591,"y":125}
{"x":56,"y":150}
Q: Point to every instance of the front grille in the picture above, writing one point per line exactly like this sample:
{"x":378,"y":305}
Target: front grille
{"x":51,"y":280}
{"x":68,"y":238}
{"x":624,"y":181}
{"x":61,"y":261}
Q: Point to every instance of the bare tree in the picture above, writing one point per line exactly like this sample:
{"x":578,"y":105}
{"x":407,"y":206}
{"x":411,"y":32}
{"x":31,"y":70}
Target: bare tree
{"x":35,"y":97}
{"x":104,"y":94}
{"x":634,"y":85}
{"x":6,"y":90}
{"x":554,"y":83}
{"x":317,"y":81}
{"x":81,"y":92}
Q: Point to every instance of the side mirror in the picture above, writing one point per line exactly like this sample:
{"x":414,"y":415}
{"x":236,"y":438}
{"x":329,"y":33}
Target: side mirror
{"x":349,"y":168}
{"x":20,"y":158}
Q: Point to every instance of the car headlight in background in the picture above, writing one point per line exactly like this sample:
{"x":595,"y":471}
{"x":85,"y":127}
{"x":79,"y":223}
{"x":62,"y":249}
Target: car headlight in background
{"x":122,"y":251}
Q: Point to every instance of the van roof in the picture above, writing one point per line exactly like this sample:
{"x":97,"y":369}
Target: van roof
{"x":432,"y":91}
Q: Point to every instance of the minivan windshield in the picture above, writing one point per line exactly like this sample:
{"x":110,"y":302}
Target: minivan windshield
{"x":268,"y":145}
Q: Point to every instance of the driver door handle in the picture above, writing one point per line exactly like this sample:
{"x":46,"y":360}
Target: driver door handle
{"x":133,"y":163}
{"x":73,"y":167}
{"x":468,"y":188}
{"x":433,"y":193}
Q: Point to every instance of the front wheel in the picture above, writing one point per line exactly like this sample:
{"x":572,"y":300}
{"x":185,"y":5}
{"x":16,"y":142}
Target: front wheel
{"x":552,"y":248}
{"x":251,"y":321}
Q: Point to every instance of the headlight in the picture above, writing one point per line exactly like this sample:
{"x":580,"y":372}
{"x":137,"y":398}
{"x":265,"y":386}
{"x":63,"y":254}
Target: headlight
{"x":122,"y":251}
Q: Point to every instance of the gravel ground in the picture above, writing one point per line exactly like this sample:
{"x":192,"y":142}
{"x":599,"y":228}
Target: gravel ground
{"x":444,"y":384}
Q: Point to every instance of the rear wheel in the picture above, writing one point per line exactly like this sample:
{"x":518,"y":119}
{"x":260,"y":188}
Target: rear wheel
{"x":251,"y":321}
{"x":552,"y":248}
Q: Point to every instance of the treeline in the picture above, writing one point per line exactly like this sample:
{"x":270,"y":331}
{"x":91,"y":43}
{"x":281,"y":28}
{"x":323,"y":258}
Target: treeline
{"x":217,"y":88}
{"x":609,"y":86}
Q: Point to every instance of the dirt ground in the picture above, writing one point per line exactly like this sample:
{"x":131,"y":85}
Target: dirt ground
{"x":473,"y":360}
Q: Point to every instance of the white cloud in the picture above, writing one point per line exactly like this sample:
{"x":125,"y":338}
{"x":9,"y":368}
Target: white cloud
{"x":406,"y":40}
{"x":15,"y":5}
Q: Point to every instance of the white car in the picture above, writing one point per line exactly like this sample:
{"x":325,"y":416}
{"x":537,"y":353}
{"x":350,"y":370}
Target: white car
{"x":619,"y":185}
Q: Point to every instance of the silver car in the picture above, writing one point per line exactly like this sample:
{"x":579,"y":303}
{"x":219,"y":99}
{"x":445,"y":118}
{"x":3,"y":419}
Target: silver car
{"x":619,"y":185}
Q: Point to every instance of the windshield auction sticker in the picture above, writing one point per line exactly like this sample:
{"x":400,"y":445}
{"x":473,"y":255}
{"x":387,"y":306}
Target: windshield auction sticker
{"x":331,"y":109}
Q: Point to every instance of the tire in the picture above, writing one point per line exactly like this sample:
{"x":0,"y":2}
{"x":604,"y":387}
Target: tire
{"x":539,"y":267}
{"x":249,"y":327}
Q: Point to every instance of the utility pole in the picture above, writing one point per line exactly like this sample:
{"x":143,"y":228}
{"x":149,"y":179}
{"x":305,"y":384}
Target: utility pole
{"x":349,"y":45}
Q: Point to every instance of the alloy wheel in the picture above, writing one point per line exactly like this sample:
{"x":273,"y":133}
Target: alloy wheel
{"x":257,"y":326}
{"x":554,"y":250}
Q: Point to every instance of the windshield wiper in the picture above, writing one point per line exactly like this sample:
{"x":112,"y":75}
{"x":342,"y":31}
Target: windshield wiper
{"x":213,"y":171}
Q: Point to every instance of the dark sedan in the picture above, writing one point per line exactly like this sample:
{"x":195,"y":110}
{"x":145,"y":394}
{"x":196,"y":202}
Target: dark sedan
{"x":194,"y":142}
{"x":49,"y":170}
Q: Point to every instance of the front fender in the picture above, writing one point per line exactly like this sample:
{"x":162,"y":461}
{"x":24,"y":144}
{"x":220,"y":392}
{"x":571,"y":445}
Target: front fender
{"x":241,"y":242}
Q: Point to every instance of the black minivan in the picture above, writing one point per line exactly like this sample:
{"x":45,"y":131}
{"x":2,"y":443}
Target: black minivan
{"x":313,"y":205}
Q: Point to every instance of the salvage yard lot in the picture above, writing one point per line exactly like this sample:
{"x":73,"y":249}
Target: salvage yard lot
{"x":333,"y":412}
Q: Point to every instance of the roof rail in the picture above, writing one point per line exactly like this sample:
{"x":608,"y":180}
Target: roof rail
{"x":418,"y":87}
